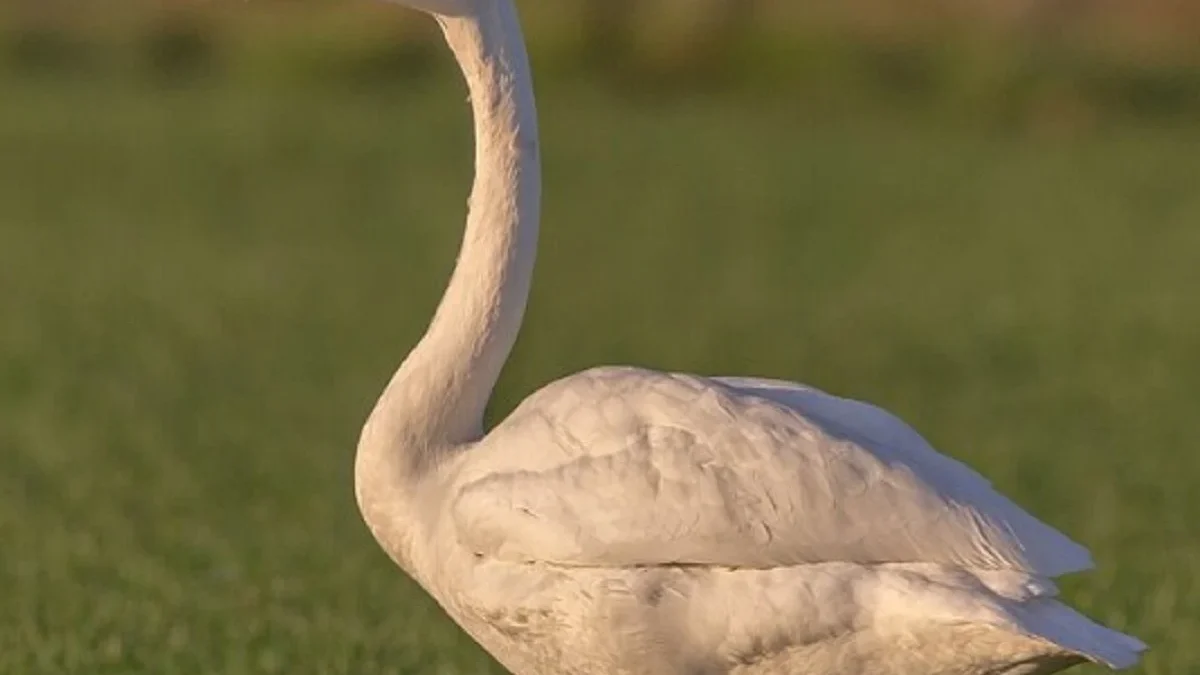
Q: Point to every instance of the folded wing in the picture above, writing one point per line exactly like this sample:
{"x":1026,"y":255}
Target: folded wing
{"x":622,"y":466}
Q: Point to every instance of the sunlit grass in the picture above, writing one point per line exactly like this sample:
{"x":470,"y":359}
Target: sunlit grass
{"x":203,"y":290}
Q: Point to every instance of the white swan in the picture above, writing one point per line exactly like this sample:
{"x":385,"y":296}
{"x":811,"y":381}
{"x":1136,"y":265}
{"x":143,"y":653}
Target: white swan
{"x":623,"y":521}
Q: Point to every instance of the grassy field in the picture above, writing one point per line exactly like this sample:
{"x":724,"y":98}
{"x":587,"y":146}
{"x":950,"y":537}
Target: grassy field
{"x":204,"y":289}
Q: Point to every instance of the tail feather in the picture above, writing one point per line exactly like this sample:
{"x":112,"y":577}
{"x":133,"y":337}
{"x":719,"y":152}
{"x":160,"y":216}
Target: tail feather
{"x":1053,"y":621}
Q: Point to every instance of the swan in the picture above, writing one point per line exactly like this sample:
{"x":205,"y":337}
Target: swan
{"x":625,"y":521}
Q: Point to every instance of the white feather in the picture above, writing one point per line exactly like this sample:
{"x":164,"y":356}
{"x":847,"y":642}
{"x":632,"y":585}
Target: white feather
{"x":769,"y":478}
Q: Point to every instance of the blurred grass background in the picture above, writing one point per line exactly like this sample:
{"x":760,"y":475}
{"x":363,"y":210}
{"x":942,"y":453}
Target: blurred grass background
{"x":222,"y":225}
{"x":1057,"y":62}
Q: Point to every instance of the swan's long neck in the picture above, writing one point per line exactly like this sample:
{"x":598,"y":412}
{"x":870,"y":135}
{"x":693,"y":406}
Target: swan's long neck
{"x":436,"y":400}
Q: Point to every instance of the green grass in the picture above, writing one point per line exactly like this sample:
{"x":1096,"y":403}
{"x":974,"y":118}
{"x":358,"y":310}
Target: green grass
{"x":203,"y":291}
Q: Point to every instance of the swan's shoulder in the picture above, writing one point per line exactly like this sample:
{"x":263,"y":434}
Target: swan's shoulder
{"x":624,"y":466}
{"x":581,"y":415}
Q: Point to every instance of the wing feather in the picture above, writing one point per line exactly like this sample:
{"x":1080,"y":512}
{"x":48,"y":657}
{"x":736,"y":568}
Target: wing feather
{"x":620,"y":467}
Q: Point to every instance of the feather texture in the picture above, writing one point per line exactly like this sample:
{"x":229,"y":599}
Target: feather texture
{"x":623,"y":466}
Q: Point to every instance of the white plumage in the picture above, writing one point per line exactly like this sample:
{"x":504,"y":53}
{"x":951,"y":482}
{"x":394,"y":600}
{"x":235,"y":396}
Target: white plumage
{"x":625,"y":521}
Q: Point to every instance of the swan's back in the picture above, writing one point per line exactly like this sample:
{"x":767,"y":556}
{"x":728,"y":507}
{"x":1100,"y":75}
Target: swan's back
{"x":623,"y":466}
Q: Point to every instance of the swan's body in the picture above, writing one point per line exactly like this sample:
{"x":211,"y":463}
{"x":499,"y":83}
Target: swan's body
{"x":623,"y":521}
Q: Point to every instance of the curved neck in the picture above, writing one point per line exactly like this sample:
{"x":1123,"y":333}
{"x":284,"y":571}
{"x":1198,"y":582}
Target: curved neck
{"x":436,"y":399}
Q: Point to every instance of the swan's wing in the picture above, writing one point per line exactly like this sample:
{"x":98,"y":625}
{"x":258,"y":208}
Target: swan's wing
{"x":620,"y":466}
{"x":868,"y":426}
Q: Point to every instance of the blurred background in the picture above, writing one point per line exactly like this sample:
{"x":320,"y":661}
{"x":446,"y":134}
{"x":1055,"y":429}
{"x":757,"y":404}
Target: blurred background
{"x":222,"y":225}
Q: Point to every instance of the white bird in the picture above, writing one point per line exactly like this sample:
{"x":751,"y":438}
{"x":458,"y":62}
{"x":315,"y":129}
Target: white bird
{"x":624,"y":521}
